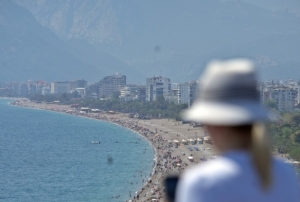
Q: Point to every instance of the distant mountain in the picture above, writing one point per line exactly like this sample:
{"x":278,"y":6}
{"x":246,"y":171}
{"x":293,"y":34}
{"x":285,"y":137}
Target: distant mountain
{"x":31,"y":51}
{"x":177,"y":38}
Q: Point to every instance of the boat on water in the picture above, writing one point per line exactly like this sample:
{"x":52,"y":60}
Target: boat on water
{"x":95,"y":142}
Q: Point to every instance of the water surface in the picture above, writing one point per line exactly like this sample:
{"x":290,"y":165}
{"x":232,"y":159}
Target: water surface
{"x":48,"y":156}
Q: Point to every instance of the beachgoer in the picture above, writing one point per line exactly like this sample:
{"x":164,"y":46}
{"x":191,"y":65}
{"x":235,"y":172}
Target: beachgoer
{"x":229,"y":107}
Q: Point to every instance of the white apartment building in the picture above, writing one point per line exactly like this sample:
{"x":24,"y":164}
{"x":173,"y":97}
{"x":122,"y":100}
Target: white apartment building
{"x":45,"y":90}
{"x":60,"y":87}
{"x":187,"y":93}
{"x":127,"y":93}
{"x":285,"y":98}
{"x":193,"y":91}
{"x":132,"y":92}
{"x":111,"y":84}
{"x":183,"y":96}
{"x":157,"y":86}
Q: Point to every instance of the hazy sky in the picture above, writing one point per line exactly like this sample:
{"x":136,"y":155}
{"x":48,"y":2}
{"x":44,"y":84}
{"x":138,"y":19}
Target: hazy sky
{"x":292,"y":5}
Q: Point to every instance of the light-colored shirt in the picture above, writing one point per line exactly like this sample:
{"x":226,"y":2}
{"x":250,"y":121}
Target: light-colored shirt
{"x":232,"y":178}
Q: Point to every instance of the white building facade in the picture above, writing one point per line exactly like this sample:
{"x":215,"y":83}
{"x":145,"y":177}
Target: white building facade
{"x":60,"y":87}
{"x":111,"y":84}
{"x":286,"y":97}
{"x":157,"y":86}
{"x":187,"y":93}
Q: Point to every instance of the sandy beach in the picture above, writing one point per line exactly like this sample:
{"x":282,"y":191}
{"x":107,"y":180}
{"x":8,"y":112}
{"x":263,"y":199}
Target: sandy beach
{"x":173,"y":155}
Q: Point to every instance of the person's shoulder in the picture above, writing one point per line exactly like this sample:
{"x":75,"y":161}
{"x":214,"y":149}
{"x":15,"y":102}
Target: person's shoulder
{"x":285,"y":175}
{"x":282,"y":168}
{"x":207,"y":181}
{"x":215,"y":170}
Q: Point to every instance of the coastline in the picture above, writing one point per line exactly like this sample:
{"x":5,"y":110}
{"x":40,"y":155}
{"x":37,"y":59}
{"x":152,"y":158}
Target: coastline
{"x":159,"y":133}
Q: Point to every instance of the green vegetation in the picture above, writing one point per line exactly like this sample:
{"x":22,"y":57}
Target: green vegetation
{"x":158,"y":108}
{"x":286,"y":134}
{"x":65,"y":98}
{"x":271,"y":104}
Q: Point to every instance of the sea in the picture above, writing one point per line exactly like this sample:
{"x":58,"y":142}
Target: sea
{"x":48,"y":156}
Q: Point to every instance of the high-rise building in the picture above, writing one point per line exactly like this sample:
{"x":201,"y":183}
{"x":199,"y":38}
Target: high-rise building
{"x":111,"y":84}
{"x":133,"y":92}
{"x":31,"y":87}
{"x":58,"y":87}
{"x":23,"y":90}
{"x":193,"y":92}
{"x":128,"y":93}
{"x":183,"y":96}
{"x":78,"y":83}
{"x":157,"y":86}
{"x":141,"y":93}
{"x":284,"y":96}
{"x":40,"y":85}
{"x":187,"y":93}
{"x":45,"y":90}
{"x":14,"y":89}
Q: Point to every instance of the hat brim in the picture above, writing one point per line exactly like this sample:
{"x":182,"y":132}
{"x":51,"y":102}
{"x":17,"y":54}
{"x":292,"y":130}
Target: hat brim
{"x":226,"y":113}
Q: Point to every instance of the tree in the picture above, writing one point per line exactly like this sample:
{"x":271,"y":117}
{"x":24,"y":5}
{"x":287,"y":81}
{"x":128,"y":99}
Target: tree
{"x":297,"y":136}
{"x":286,"y":132}
{"x":75,"y":94}
{"x":296,"y":119}
{"x":271,"y":104}
{"x":295,"y":153}
{"x":116,"y":95}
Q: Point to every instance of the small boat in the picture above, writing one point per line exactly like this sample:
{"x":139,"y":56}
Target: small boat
{"x":95,"y":142}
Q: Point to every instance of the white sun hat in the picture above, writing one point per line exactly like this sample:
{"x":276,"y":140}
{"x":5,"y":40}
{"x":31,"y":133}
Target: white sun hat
{"x":228,"y":95}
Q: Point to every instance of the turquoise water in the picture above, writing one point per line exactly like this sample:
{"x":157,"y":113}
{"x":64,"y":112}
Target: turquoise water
{"x":47,"y":156}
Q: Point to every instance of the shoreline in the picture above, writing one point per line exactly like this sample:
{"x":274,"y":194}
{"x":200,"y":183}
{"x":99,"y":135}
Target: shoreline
{"x":114,"y":123}
{"x":158,"y":132}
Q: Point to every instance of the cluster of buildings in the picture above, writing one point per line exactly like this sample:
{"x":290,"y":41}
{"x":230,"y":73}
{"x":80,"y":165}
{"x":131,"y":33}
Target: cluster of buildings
{"x":28,"y":88}
{"x":285,"y":95}
{"x":77,"y":85}
{"x":155,"y":87}
{"x":114,"y":85}
{"x":24,"y":89}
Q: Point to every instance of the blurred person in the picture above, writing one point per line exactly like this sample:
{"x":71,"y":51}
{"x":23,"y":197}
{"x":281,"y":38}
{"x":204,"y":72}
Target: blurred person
{"x":229,"y":107}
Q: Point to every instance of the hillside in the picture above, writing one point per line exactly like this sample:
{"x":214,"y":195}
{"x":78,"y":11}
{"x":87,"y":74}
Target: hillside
{"x":32,"y":51}
{"x":176,"y":38}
